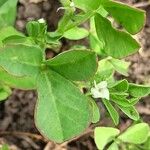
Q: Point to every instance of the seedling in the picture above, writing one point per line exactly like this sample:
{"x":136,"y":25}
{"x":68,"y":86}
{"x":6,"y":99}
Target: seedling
{"x":63,"y":110}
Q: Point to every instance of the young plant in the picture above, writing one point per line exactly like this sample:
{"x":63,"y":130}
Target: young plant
{"x":63,"y":110}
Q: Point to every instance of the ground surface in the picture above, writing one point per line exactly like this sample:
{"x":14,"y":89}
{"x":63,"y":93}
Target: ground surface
{"x":17,"y":127}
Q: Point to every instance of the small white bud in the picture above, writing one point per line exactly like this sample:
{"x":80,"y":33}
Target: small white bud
{"x":41,"y":20}
{"x":72,"y":4}
{"x":100,"y":90}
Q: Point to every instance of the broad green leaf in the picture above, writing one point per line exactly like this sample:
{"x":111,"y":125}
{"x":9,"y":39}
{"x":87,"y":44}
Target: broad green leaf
{"x":113,"y":146}
{"x":25,"y":83}
{"x":76,"y":33}
{"x":104,"y":135}
{"x":139,"y":90}
{"x":136,"y":134}
{"x":8,"y":12}
{"x":120,"y":86}
{"x":120,"y":66}
{"x":131,"y":112}
{"x":62,"y":111}
{"x":112,"y":111}
{"x":108,"y":35}
{"x":132,"y":19}
{"x":21,"y":60}
{"x":87,"y":5}
{"x":2,"y":2}
{"x":95,"y":111}
{"x":5,"y":32}
{"x":75,"y":65}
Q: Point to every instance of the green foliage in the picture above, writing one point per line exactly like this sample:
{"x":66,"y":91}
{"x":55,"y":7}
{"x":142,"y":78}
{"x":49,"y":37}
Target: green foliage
{"x":131,"y":137}
{"x":125,"y":46}
{"x":73,"y":64}
{"x":65,"y":108}
{"x":76,"y":33}
{"x":136,"y":134}
{"x":60,"y":116}
{"x":4,"y":147}
{"x":104,"y":135}
{"x":7,"y":12}
{"x":125,"y":15}
{"x":4,"y":92}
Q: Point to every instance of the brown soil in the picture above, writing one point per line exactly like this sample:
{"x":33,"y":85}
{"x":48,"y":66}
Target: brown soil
{"x":17,"y":127}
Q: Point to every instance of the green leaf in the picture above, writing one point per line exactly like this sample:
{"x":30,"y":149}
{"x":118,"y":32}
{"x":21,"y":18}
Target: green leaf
{"x":5,"y":32}
{"x":25,"y":83}
{"x":76,"y":20}
{"x":17,"y":39}
{"x":132,"y":19}
{"x":75,"y":65}
{"x":95,"y":43}
{"x":136,"y":134}
{"x":104,"y":135}
{"x":139,"y":90}
{"x":8,"y":12}
{"x":108,"y":35}
{"x":95,"y":111}
{"x":123,"y":101}
{"x":87,"y":5}
{"x":113,"y":146}
{"x":112,"y":111}
{"x":105,"y":70}
{"x":131,"y":112}
{"x":4,"y":92}
{"x":120,"y":66}
{"x":5,"y":147}
{"x":76,"y":33}
{"x":21,"y":60}
{"x":36,"y":29}
{"x":120,"y":86}
{"x":62,"y":111}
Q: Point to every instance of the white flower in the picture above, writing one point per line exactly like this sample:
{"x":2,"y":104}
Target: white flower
{"x":41,"y":20}
{"x":72,"y":4}
{"x":100,"y":90}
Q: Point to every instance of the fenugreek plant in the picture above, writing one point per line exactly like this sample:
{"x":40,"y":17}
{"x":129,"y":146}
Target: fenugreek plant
{"x":63,"y":110}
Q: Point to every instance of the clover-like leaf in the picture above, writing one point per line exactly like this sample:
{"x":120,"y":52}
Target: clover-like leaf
{"x":62,"y":111}
{"x":104,"y":135}
{"x":132,"y":19}
{"x":136,"y":134}
{"x":21,"y":60}
{"x":75,"y":65}
{"x":108,"y":35}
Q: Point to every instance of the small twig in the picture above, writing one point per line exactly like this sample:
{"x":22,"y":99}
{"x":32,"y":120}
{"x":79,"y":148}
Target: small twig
{"x":142,"y":4}
{"x":31,"y":135}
